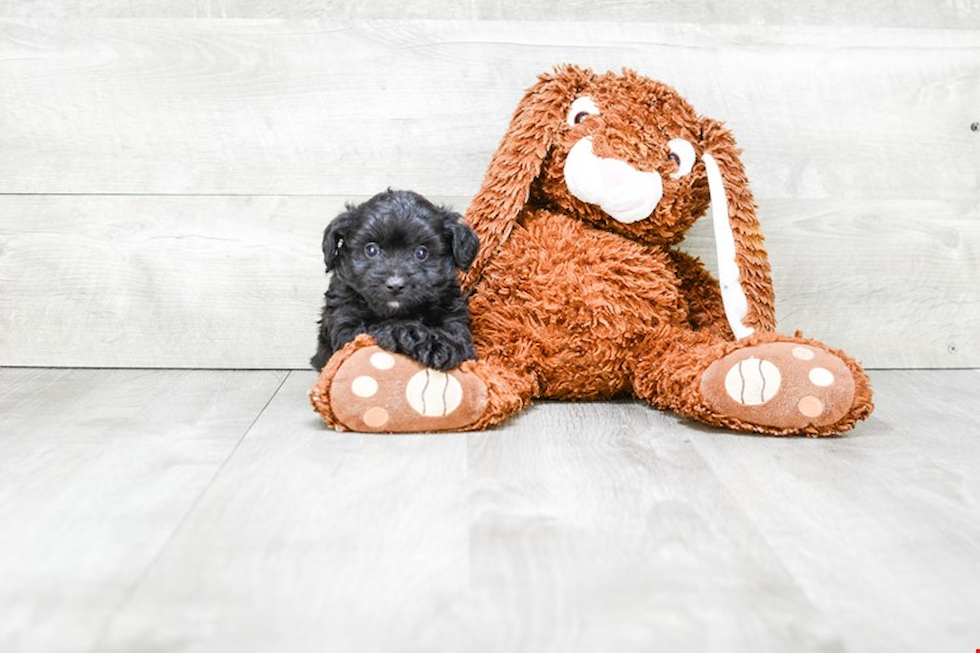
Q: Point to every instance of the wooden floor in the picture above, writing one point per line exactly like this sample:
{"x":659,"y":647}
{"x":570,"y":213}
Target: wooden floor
{"x":211,"y":511}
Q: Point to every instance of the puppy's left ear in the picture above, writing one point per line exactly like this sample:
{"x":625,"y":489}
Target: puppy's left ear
{"x":464,"y":242}
{"x":466,"y":245}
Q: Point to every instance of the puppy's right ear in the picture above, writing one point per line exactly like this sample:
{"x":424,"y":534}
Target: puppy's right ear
{"x":518,"y":161}
{"x":334,"y":235}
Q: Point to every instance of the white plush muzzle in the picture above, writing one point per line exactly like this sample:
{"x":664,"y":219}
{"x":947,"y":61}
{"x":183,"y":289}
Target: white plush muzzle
{"x":618,"y":188}
{"x":629,"y":195}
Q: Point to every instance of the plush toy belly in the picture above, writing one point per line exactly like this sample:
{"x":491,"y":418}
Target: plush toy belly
{"x":567,"y":303}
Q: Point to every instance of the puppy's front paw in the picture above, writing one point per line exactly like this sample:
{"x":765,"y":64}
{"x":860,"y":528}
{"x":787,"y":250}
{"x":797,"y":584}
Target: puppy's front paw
{"x":385,"y":339}
{"x":320,"y":358}
{"x":434,"y":355}
{"x":443,"y":356}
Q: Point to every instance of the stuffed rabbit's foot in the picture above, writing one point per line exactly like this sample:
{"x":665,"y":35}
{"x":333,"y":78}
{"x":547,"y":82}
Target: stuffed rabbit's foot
{"x":375,"y":391}
{"x":783,"y":387}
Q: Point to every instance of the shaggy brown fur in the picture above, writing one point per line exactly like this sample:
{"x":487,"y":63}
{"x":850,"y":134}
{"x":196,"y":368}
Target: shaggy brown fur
{"x":570,"y":303}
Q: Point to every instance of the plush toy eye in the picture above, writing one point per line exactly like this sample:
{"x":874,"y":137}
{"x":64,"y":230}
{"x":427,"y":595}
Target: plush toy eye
{"x":581,"y":109}
{"x":681,"y":153}
{"x":421,"y":253}
{"x":371,"y":250}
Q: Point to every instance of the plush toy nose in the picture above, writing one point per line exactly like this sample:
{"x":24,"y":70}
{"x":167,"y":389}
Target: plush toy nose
{"x":395,"y":284}
{"x":622,"y":191}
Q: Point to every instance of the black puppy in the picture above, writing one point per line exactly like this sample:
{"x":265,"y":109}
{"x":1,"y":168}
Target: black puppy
{"x":394,"y":260}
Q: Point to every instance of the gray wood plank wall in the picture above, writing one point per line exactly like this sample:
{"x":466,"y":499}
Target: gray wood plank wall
{"x":166,"y":168}
{"x":952,"y":14}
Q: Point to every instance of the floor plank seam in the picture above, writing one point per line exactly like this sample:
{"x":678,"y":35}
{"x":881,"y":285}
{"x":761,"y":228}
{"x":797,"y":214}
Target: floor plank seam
{"x":127,"y":597}
{"x":775,"y":556}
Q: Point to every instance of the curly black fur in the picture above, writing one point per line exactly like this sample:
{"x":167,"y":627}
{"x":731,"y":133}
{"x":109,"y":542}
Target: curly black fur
{"x":394,"y":260}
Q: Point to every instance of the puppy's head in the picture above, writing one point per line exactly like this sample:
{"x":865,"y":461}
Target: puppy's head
{"x":398,"y":251}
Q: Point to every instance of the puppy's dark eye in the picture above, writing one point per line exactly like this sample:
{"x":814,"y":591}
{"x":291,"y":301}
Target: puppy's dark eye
{"x":371,"y":250}
{"x":421,"y":253}
{"x":674,"y":157}
{"x":580,"y":116}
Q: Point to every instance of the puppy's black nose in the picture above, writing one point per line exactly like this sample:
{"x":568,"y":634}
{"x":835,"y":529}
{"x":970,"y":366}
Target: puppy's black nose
{"x":395,"y":284}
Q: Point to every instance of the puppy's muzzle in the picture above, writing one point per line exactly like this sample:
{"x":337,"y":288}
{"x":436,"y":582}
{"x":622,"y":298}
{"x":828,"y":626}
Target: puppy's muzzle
{"x":395,"y":284}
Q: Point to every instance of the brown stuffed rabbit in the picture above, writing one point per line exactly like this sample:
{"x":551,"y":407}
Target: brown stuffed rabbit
{"x":579,"y":294}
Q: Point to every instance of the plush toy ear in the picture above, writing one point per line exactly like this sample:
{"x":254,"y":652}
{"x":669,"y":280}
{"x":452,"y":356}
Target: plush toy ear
{"x":333,"y":236}
{"x":743,"y":266}
{"x":518,"y":161}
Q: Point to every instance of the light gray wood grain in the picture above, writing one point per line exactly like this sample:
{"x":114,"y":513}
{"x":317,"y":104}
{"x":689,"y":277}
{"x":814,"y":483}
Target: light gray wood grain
{"x":97,"y":471}
{"x":574,"y":527}
{"x":216,"y":282}
{"x":949,"y":14}
{"x":857,"y":142}
{"x":890,"y":515}
{"x":321,"y":107}
{"x":311,"y":540}
{"x":597,"y":527}
{"x":892,"y":282}
{"x":233,"y":282}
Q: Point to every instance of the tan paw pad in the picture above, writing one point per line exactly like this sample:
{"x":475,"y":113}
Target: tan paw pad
{"x":375,"y":391}
{"x":784,"y":385}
